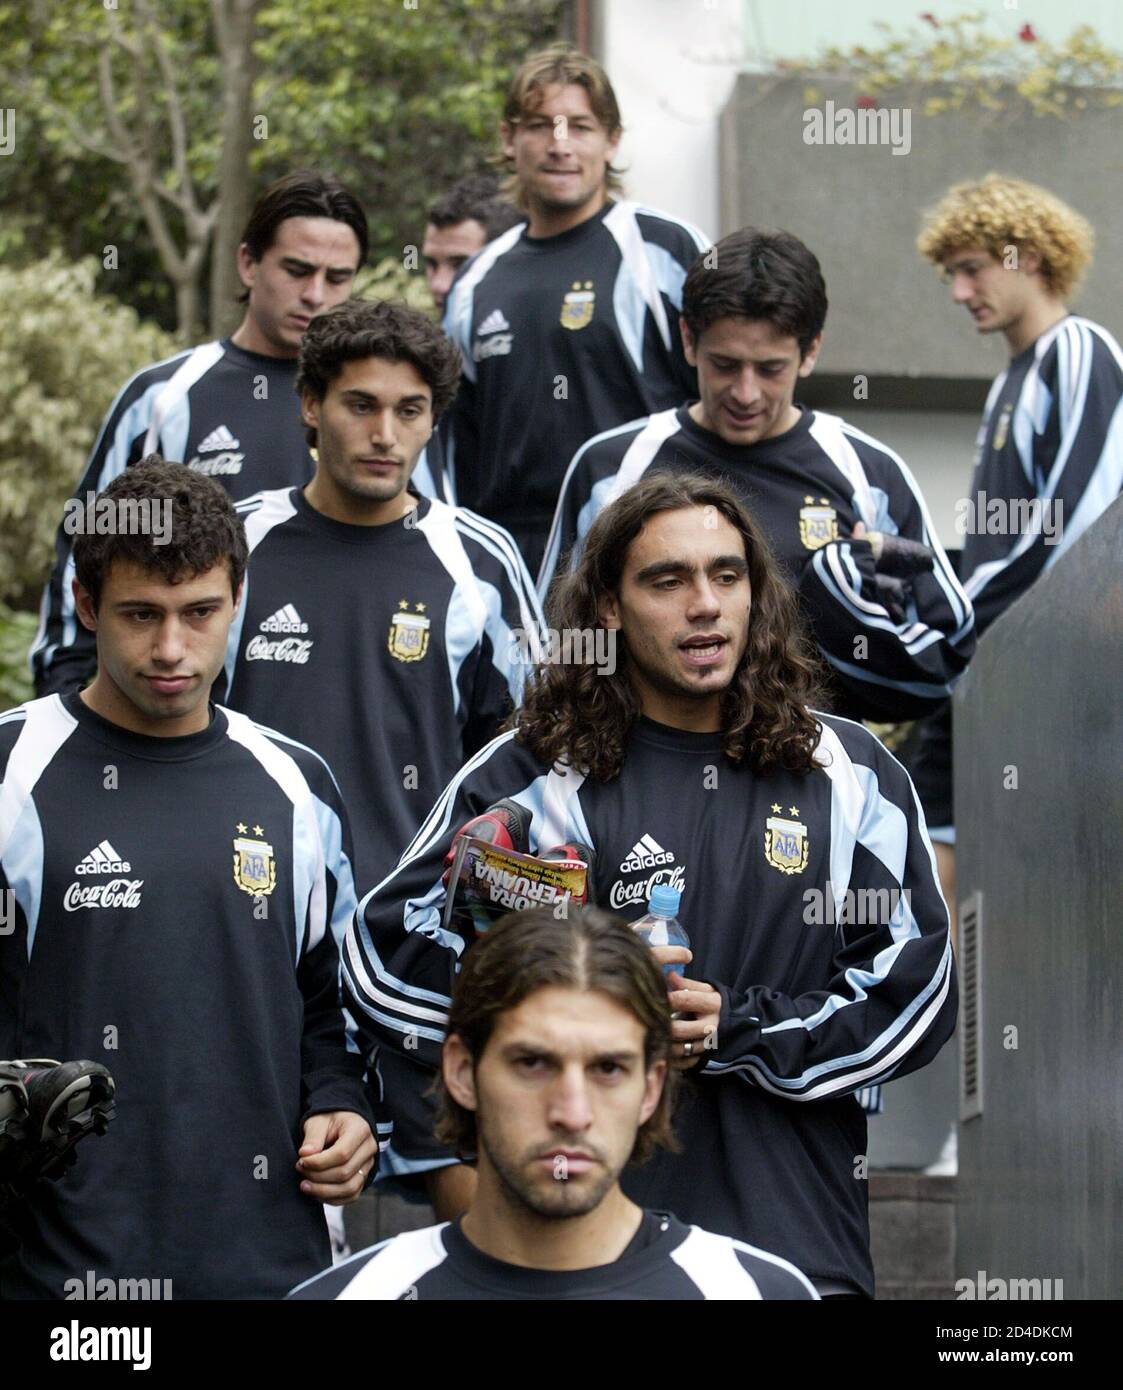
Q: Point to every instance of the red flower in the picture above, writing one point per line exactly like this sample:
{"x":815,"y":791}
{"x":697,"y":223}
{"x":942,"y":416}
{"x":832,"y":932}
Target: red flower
{"x":867,"y":101}
{"x":930,"y":18}
{"x":1026,"y":34}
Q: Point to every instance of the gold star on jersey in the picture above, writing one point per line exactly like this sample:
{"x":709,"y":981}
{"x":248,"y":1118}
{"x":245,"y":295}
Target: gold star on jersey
{"x":785,"y":842}
{"x":255,"y":871}
{"x":578,"y":305}
{"x":409,"y":632}
{"x":818,"y":523}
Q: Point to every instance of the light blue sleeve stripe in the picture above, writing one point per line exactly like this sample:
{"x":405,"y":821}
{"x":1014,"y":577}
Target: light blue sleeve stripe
{"x":23,"y":866}
{"x":630,"y":310}
{"x":339,"y":866}
{"x":670,"y":273}
{"x":462,"y":635}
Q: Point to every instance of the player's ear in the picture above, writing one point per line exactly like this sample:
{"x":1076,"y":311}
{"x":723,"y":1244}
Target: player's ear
{"x":458,"y":1069}
{"x":1029,"y":260}
{"x":654,"y":1082}
{"x":608,"y":611}
{"x":689,"y":346}
{"x":84,"y":606}
{"x":247,"y":266}
{"x":310,"y":410}
{"x":807,"y":365}
{"x":507,"y":138}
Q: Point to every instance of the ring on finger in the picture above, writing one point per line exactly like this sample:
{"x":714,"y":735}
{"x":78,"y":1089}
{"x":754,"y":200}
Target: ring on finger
{"x":687,"y":1049}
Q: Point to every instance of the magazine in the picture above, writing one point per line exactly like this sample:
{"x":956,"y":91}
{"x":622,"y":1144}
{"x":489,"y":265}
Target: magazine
{"x":485,"y":882}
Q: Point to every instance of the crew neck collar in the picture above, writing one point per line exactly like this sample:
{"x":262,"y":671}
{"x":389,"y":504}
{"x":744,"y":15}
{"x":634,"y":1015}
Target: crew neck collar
{"x":179,"y":748}
{"x":386,"y":533}
{"x":714,"y":445}
{"x":499,"y":1276}
{"x":550,"y":243}
{"x":681,"y":740}
{"x":1039,"y":344}
{"x":260,"y":361}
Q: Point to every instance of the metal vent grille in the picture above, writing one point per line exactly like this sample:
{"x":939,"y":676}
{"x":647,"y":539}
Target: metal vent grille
{"x":970,"y":1008}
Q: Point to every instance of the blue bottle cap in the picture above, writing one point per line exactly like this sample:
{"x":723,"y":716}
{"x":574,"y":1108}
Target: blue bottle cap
{"x":664,"y":900}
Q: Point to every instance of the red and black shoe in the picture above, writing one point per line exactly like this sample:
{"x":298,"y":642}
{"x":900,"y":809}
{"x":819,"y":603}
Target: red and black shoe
{"x":46,"y":1107}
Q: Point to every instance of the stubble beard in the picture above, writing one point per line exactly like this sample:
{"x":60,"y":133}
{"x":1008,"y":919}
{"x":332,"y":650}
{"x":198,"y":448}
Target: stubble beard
{"x":562,"y":1201}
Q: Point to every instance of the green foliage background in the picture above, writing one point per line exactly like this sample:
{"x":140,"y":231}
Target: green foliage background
{"x":398,"y":102}
{"x":65,"y":351}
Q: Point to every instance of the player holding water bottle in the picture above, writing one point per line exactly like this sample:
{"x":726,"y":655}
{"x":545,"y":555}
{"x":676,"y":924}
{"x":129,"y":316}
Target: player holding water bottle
{"x":699,"y":764}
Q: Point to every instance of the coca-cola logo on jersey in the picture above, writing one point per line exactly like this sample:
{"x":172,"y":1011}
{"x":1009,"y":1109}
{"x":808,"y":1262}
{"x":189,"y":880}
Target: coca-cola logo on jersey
{"x":292,"y":649}
{"x":118,"y":892}
{"x":626,"y":894}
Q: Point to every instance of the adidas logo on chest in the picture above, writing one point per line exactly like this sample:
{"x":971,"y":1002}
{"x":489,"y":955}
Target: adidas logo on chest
{"x":217,"y":454}
{"x":646,"y":853}
{"x":292,"y":646}
{"x":114,"y":891}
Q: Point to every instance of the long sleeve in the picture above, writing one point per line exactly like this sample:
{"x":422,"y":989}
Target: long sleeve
{"x":512,"y":631}
{"x":571,"y":510}
{"x":890,"y":1003}
{"x":888,"y":669}
{"x":399,"y":962}
{"x":331,"y":1065}
{"x":1068,"y":433}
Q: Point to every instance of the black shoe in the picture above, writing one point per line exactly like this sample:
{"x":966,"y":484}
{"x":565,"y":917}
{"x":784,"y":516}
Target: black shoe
{"x":45,"y":1108}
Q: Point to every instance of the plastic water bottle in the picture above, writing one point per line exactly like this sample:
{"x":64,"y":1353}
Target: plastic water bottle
{"x":660,"y":926}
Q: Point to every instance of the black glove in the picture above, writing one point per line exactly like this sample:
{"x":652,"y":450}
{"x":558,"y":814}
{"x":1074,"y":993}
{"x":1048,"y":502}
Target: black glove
{"x":893,"y":595}
{"x":902,"y":558}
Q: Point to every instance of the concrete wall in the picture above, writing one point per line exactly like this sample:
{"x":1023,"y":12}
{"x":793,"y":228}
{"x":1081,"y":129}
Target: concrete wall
{"x":673,"y":65}
{"x":1041,"y":1170}
{"x":858,"y":207}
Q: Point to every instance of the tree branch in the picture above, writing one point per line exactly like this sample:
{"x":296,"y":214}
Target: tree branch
{"x":175,"y":108}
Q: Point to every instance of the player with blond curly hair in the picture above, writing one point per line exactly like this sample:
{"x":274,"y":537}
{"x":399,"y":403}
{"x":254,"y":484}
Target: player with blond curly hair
{"x":1049,"y":452}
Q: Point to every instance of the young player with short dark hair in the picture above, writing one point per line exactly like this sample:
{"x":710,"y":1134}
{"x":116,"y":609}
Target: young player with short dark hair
{"x":569,"y":324}
{"x":821,"y":959}
{"x":554,"y":1078}
{"x":380,"y":627}
{"x":461,"y":222}
{"x":1049,"y":451}
{"x":182,"y":879}
{"x":841,"y":511}
{"x":225,"y":408}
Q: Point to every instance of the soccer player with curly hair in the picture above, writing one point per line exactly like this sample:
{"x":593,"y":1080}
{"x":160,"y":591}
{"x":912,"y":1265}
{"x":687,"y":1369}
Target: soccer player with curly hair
{"x":1049,"y":452}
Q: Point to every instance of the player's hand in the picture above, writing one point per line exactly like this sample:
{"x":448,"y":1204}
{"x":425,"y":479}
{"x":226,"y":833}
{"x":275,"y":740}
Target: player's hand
{"x":876,"y":539}
{"x":896,"y":556}
{"x":336,"y":1157}
{"x":695,"y":1034}
{"x":672,"y":955}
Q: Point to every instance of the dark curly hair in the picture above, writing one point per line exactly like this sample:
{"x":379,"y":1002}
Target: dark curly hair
{"x":361,"y":328}
{"x":574,"y":713}
{"x":588,"y":950}
{"x":755,"y":274}
{"x":205,"y":529}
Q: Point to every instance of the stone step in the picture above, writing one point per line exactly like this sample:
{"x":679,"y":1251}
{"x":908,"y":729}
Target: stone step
{"x":912,"y":1235}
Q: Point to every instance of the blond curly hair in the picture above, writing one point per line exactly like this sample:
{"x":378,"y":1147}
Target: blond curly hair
{"x":997,"y":212}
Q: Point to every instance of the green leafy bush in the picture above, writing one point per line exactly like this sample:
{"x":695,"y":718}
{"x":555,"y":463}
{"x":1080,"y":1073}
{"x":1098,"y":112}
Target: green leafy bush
{"x":64,"y":354}
{"x":16,"y":633}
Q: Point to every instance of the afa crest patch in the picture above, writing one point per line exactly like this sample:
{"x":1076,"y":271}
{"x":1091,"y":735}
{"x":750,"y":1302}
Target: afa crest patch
{"x":255,"y":870}
{"x":785,"y":842}
{"x":818,"y":523}
{"x":578,"y":306}
{"x":409,"y":632}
